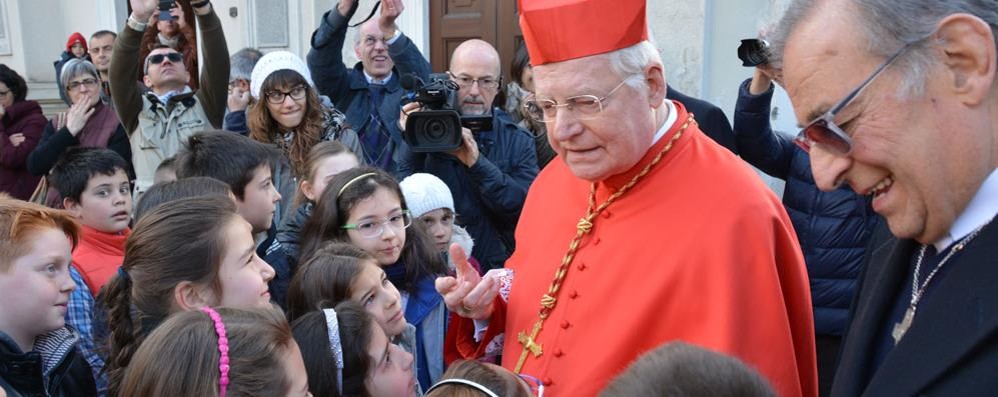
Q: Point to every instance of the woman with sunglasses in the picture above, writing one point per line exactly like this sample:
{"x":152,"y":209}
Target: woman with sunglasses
{"x":289,"y":113}
{"x":21,"y":125}
{"x":88,"y":122}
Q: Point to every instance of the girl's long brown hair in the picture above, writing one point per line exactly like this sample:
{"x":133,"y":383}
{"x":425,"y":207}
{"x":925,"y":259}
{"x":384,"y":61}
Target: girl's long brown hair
{"x":178,"y":241}
{"x":180,"y":358}
{"x":264,"y":128}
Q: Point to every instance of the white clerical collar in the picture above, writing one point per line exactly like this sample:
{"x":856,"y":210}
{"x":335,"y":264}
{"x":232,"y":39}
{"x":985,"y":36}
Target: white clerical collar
{"x":670,"y":120}
{"x":981,"y":209}
{"x":372,"y":80}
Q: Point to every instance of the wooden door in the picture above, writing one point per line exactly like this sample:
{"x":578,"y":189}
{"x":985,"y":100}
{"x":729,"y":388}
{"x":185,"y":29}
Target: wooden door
{"x":454,"y":21}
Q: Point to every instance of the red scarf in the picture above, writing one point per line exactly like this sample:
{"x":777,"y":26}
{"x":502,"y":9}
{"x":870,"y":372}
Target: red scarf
{"x":99,"y":255}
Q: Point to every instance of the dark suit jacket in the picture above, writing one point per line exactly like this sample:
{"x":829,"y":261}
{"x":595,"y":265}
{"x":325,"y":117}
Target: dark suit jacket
{"x":348,"y":87}
{"x":711,"y":118}
{"x":951,"y":348}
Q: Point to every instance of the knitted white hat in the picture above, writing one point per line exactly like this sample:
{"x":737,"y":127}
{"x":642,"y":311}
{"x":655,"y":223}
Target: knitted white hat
{"x":272,"y":62}
{"x":424,"y":193}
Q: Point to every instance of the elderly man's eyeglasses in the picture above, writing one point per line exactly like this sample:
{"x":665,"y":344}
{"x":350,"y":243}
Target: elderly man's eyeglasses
{"x":278,"y":97}
{"x":823,"y":130}
{"x":174,"y":57}
{"x":76,"y":85}
{"x":374,"y":229}
{"x":467,"y":81}
{"x":583,"y":106}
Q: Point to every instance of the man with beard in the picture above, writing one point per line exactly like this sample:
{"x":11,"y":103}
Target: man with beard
{"x":492,"y":170}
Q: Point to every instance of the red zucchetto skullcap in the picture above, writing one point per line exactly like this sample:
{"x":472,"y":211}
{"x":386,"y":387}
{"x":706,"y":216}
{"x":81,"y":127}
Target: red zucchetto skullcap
{"x":559,"y":30}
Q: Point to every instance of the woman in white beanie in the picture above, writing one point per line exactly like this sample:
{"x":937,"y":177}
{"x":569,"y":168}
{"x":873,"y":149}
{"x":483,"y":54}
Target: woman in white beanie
{"x":430,"y":202}
{"x":289,"y":113}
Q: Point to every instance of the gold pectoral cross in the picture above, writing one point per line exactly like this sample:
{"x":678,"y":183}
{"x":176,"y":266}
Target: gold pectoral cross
{"x":530,"y":345}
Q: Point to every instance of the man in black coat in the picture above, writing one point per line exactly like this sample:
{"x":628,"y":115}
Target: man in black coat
{"x":490,"y":173}
{"x":900,"y":103}
{"x":711,"y":118}
{"x":369,"y":93}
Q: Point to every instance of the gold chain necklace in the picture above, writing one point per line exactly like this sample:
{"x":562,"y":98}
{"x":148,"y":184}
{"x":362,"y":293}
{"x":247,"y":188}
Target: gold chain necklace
{"x":550,"y":299}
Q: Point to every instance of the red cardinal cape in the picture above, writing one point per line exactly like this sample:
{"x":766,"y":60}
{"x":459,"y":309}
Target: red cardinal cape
{"x":700,"y":250}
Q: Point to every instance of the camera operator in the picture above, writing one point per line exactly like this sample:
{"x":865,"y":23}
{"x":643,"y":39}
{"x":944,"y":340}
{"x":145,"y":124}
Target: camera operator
{"x":159,"y":121}
{"x":833,"y":227}
{"x":491,"y":171}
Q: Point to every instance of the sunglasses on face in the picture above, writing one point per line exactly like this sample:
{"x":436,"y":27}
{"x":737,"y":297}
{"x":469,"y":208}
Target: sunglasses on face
{"x":825,"y":132}
{"x":174,"y":57}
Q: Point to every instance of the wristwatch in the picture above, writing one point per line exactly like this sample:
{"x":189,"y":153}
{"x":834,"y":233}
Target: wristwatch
{"x":136,"y":25}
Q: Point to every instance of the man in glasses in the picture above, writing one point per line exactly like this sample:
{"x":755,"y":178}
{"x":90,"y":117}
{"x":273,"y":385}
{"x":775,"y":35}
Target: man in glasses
{"x":642,"y":231}
{"x":369,"y":93}
{"x":833,"y":228}
{"x":160,"y":120}
{"x":899,"y":101}
{"x":492,"y":170}
{"x":240,"y":70}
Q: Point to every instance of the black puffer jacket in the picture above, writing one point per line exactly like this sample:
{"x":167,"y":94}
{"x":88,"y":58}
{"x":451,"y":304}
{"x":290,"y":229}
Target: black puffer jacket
{"x":833,"y":227}
{"x":54,"y":368}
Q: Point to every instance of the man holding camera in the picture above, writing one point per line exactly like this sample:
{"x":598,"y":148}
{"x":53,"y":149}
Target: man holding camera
{"x":369,"y":93}
{"x":161,"y":120}
{"x":490,"y":172}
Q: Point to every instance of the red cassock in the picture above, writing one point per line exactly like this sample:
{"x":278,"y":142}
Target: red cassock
{"x":700,"y":250}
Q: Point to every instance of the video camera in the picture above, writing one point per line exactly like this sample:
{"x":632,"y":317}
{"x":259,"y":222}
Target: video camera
{"x":164,"y":10}
{"x":437,"y":128}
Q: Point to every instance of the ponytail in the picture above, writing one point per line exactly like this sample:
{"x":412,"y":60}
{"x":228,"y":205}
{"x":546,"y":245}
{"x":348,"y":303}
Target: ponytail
{"x":178,"y":241}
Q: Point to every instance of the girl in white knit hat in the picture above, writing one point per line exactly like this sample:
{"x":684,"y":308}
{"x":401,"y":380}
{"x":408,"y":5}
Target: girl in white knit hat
{"x":289,"y":113}
{"x":430,"y":202}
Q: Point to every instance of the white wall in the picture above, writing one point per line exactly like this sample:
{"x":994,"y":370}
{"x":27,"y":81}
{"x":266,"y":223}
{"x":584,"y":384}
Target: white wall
{"x":678,"y":30}
{"x":729,"y":21}
{"x":304,"y":17}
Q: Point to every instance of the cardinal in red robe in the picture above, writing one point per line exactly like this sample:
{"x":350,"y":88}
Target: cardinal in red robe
{"x":686,"y":243}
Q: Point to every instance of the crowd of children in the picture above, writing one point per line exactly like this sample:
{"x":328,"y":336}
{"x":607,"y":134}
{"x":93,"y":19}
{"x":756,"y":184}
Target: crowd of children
{"x":174,"y":297}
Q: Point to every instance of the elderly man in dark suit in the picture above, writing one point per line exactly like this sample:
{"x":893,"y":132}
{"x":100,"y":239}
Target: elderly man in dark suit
{"x":899,"y":100}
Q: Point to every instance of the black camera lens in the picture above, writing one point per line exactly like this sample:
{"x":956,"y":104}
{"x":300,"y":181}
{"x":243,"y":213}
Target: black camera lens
{"x":435,"y":130}
{"x":753,"y":52}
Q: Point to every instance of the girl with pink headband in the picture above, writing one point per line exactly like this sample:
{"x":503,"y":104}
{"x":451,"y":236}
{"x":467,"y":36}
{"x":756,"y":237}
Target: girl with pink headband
{"x":218,"y":352}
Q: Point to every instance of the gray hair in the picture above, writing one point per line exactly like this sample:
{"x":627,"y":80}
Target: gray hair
{"x":889,"y":25}
{"x":242,"y":62}
{"x":75,"y":67}
{"x":632,"y":60}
